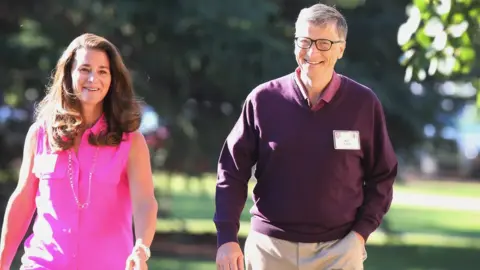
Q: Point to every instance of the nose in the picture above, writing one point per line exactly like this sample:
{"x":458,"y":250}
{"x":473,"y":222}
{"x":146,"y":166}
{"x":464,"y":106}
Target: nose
{"x":313,"y":50}
{"x":91,"y":76}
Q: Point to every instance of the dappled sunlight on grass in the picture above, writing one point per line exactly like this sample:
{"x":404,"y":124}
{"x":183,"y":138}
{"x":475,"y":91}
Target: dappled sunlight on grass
{"x":420,"y":258}
{"x":206,"y":185}
{"x":445,"y":188}
{"x":177,"y":264}
{"x":414,"y":237}
{"x":444,"y":222}
{"x":193,"y":209}
{"x":196,"y":226}
{"x":380,"y":257}
{"x":203,"y":226}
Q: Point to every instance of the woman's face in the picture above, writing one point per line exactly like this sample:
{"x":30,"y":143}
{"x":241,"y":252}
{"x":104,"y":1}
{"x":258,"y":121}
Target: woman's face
{"x":91,"y":77}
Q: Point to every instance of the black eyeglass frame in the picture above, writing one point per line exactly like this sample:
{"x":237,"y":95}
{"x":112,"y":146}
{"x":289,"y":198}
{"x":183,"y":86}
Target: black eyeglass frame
{"x":312,"y":41}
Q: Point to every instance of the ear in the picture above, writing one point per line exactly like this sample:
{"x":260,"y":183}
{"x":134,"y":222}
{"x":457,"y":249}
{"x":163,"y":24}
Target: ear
{"x":341,"y":50}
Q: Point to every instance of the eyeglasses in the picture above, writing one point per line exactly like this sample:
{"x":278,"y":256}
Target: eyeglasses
{"x":321,"y":44}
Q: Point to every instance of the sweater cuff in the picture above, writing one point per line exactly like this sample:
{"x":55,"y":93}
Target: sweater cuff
{"x":226,"y":232}
{"x":364,"y":227}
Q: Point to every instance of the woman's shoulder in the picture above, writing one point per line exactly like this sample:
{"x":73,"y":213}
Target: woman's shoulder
{"x":34,"y":132}
{"x":35,"y":129}
{"x":135,"y":137}
{"x":131,"y":139}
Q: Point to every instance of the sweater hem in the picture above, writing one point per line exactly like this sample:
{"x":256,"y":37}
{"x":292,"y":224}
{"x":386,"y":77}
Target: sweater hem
{"x":275,"y":231}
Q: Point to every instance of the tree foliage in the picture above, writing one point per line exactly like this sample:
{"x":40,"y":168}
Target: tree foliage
{"x":196,"y":61}
{"x":441,"y":38}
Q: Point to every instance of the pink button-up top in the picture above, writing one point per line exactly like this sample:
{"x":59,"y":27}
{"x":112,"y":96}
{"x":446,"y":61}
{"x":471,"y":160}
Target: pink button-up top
{"x":67,"y":237}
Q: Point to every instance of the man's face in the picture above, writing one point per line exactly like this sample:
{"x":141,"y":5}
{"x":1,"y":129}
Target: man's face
{"x":319,"y":60}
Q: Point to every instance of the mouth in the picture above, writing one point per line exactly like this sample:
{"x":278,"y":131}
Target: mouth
{"x":90,"y":89}
{"x":313,"y":62}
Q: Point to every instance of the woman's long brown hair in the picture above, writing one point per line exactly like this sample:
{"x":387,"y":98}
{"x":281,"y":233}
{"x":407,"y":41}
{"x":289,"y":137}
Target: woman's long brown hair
{"x":60,"y":110}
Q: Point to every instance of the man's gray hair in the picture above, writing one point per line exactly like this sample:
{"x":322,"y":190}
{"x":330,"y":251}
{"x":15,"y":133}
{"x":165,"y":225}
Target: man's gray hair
{"x":320,"y":14}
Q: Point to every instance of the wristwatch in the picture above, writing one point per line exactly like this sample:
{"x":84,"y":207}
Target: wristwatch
{"x":145,"y":248}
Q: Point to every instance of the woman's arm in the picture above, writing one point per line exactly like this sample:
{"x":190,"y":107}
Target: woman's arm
{"x":21,"y":205}
{"x":142,"y":191}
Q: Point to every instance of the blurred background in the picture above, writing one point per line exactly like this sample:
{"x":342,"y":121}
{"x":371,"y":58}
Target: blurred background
{"x":194,"y":62}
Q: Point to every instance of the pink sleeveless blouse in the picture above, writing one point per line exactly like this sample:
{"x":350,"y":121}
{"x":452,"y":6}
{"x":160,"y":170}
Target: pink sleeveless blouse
{"x":66,"y":236}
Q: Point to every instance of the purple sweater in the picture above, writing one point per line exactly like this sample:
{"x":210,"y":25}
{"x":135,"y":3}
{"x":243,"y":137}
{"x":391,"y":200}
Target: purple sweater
{"x":306,"y":191}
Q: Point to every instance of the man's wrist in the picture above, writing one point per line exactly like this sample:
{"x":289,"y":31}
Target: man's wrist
{"x":360,"y":237}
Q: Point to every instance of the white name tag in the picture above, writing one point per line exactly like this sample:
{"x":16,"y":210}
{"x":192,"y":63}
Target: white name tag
{"x":346,"y":139}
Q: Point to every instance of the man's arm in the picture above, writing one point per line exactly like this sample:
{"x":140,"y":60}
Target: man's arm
{"x":380,"y":167}
{"x":238,"y":155}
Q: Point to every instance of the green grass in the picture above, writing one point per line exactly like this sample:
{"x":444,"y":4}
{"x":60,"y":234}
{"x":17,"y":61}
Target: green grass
{"x":446,"y":188}
{"x":420,"y":238}
{"x":379,"y":258}
{"x":197,"y":211}
{"x":391,"y":257}
{"x":434,"y":221}
{"x":423,"y":239}
{"x":383,"y":257}
{"x":175,"y":264}
{"x":192,"y":208}
{"x":432,"y":187}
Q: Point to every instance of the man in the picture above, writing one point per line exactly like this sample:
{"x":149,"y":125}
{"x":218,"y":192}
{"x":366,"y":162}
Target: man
{"x":325,"y":166}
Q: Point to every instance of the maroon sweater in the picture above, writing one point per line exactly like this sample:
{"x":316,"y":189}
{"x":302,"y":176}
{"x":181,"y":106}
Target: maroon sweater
{"x":306,"y":191}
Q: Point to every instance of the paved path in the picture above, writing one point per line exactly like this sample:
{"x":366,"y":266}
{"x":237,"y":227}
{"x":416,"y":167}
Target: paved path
{"x":436,"y":201}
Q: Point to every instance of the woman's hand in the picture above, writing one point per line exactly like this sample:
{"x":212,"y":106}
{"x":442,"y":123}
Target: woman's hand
{"x":138,"y":259}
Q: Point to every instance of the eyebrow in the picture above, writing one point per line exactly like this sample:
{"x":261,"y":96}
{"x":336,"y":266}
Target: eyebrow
{"x":88,"y":65}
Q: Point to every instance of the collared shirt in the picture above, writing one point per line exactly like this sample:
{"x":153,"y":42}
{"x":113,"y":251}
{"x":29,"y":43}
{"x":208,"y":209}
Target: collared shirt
{"x":65,"y":236}
{"x":326,"y":96}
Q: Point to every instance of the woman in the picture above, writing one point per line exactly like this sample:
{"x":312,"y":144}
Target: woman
{"x":86,"y":170}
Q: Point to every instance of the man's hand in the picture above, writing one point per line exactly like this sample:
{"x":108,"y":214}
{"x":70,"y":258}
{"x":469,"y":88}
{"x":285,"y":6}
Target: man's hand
{"x":230,"y":257}
{"x":359,"y":237}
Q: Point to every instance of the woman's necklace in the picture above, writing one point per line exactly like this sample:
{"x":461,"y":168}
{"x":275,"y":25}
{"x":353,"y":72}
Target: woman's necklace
{"x":70,"y":175}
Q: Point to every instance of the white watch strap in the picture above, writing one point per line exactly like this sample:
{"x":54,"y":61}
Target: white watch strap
{"x":145,"y":248}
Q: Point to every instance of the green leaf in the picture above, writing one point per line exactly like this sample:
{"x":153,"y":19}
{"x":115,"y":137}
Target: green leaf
{"x":465,"y":54}
{"x":475,"y":14}
{"x":11,"y":99}
{"x":408,"y":45}
{"x":421,"y":4}
{"x":425,"y":16}
{"x":423,"y":39}
{"x":466,"y":69}
{"x":465,"y":2}
{"x":457,"y":18}
{"x":466,"y":39}
{"x":445,"y":18}
{"x":30,"y":36}
{"x":457,"y":67}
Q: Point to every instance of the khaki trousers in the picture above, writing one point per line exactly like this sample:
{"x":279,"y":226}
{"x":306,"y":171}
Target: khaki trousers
{"x":267,"y":253}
